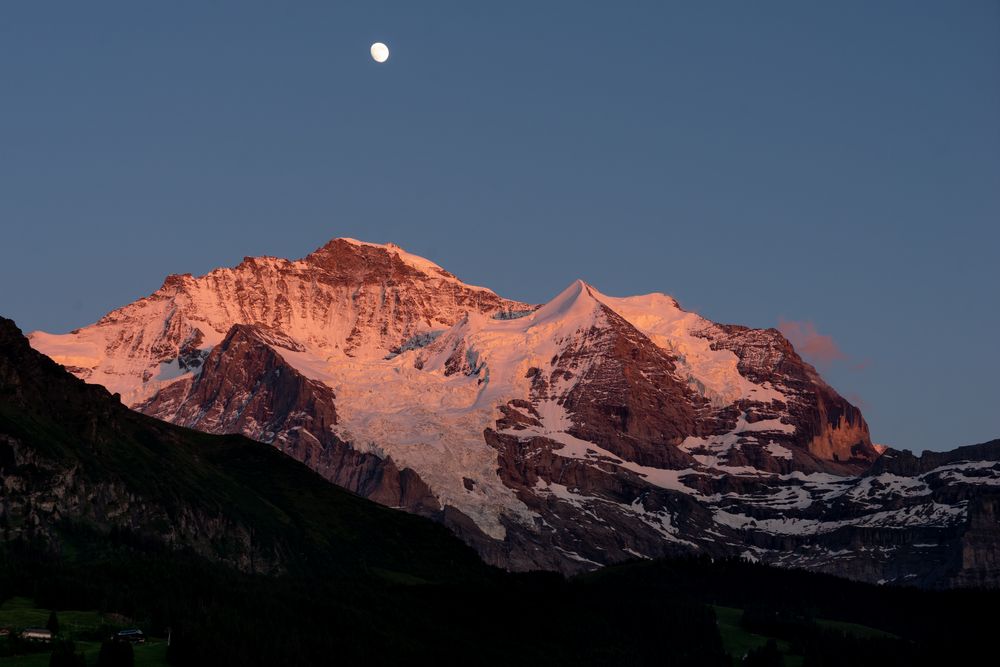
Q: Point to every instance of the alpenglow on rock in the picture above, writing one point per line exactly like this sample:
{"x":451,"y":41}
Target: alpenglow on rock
{"x":585,"y":431}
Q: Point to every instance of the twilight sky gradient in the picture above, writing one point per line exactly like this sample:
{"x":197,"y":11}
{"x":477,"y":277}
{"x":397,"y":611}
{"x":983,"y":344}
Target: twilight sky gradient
{"x":834,"y":167}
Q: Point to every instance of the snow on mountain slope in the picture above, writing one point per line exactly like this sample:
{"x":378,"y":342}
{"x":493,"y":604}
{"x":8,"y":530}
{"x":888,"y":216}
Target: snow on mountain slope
{"x":424,"y":421}
{"x":427,"y":408}
{"x":712,"y":372}
{"x":589,"y":430}
{"x":347,"y":299}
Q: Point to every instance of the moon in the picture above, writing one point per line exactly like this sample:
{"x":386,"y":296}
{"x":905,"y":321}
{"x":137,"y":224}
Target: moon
{"x":380,"y":52}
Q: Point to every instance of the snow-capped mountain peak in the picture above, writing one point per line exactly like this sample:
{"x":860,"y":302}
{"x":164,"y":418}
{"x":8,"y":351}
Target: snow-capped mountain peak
{"x":517,"y":425}
{"x":345,"y":299}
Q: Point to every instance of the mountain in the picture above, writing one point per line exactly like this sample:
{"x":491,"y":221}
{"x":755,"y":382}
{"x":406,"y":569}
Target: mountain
{"x":246,"y":557}
{"x":586,"y":431}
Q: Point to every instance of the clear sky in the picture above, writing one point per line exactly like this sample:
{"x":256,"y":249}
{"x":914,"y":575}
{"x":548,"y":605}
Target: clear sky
{"x":831,"y":167}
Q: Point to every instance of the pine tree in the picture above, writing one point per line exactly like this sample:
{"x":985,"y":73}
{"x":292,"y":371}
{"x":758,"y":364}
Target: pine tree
{"x":115,"y":654}
{"x":64,"y":655}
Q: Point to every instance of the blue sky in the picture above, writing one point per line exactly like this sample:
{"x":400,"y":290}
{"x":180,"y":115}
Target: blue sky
{"x":832,"y":166}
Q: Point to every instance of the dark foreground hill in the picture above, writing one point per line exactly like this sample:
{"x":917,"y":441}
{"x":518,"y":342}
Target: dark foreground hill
{"x":250,"y":558}
{"x":75,"y":460}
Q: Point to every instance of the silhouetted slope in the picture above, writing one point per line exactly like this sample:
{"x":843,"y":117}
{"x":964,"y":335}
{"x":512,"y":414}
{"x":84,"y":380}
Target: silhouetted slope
{"x":71,"y":453}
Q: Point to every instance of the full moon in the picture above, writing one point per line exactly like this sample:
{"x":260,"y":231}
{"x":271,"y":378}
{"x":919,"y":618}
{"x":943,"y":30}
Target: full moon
{"x":380,"y":52}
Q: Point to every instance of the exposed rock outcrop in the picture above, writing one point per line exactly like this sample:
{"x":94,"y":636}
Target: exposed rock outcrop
{"x":586,"y":431}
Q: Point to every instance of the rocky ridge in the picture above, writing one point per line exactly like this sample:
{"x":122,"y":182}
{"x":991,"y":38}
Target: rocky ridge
{"x":589,"y":430}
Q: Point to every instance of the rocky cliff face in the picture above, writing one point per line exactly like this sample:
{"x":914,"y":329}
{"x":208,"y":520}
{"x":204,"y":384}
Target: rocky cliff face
{"x":41,"y":498}
{"x":590,"y":430}
{"x":246,"y":387}
{"x":832,"y":428}
{"x":54,"y":475}
{"x":347,"y":299}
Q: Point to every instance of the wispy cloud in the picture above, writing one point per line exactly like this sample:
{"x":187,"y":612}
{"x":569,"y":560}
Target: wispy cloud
{"x":816,"y":347}
{"x":822,"y":351}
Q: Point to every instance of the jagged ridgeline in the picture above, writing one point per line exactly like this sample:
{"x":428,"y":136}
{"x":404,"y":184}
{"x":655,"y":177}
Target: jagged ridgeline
{"x":251,"y":558}
{"x":583,"y":432}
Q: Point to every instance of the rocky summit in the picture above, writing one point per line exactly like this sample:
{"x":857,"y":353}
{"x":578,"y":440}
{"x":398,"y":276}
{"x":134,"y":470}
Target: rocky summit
{"x":582,"y":432}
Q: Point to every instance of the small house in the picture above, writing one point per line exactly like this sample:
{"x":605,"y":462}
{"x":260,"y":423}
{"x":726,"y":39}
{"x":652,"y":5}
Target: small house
{"x":36,"y":634}
{"x":131,"y":635}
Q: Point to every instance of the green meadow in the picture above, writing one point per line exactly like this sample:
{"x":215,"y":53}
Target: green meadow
{"x":18,"y":613}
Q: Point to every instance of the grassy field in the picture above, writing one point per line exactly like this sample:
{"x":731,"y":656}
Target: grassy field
{"x":862,"y":631}
{"x":20,"y":613}
{"x":151,"y":654}
{"x":738,"y":641}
